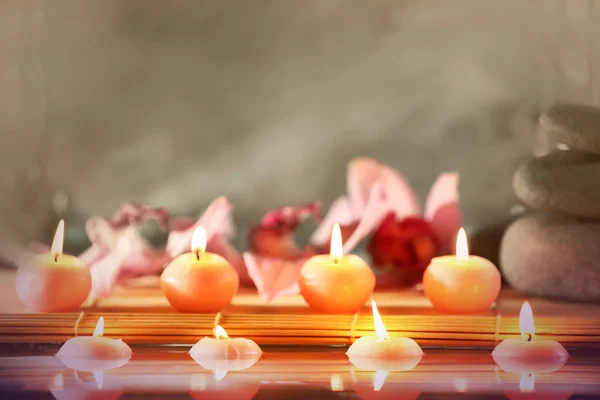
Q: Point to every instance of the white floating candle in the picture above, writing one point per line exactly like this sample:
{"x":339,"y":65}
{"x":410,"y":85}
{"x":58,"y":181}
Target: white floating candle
{"x":223,"y":353}
{"x":529,"y":354}
{"x":382,"y":352}
{"x":94,"y":353}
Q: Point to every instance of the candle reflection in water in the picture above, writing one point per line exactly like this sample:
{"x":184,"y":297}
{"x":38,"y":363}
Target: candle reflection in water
{"x":528,"y":391}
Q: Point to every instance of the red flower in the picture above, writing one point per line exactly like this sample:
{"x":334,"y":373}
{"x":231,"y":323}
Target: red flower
{"x":405,"y":247}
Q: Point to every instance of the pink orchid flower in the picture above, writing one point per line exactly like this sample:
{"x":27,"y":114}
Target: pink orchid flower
{"x":217,"y":221}
{"x":380,"y":199}
{"x":274,"y":260}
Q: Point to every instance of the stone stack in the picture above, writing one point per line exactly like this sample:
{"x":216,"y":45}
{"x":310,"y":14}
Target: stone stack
{"x":554,"y":252}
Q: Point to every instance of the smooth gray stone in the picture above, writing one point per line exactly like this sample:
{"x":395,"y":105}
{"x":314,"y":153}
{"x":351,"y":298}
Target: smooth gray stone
{"x":564,"y":181}
{"x":577,"y":126}
{"x":553,"y":257}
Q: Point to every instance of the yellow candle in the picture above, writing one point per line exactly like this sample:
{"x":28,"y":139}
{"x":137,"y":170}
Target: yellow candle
{"x":199,"y":282}
{"x":461,"y":284}
{"x":54,"y":282}
{"x":529,"y":353}
{"x":336,"y":283}
{"x":383,"y":352}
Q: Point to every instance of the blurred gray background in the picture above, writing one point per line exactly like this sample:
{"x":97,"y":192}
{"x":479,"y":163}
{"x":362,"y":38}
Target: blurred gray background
{"x":173,"y":103}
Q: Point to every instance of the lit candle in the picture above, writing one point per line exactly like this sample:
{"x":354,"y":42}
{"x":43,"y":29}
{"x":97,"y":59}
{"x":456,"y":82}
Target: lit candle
{"x":382,"y":352}
{"x":461,"y":284}
{"x":336,"y":283}
{"x":199,"y":282}
{"x":54,"y":282}
{"x":94,"y":353}
{"x":529,"y":354}
{"x":222,"y":353}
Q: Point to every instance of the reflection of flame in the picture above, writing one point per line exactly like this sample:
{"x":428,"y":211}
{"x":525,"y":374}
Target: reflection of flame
{"x":98,"y":377}
{"x":336,"y":247}
{"x":219,"y":374}
{"x":199,"y":240}
{"x":58,"y":383}
{"x":220,"y":333}
{"x":99,"y":331}
{"x":460,"y":384}
{"x":462,"y":247}
{"x":526,"y":322}
{"x":527,"y":382}
{"x":59,"y":236}
{"x":379,"y":380}
{"x":337,"y":383}
{"x":380,"y":330}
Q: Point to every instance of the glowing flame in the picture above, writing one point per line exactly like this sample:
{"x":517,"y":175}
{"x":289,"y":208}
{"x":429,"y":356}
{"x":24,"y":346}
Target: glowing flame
{"x":462,"y":246}
{"x":526,"y":325}
{"x":379,"y":380}
{"x":220,"y":333}
{"x":59,"y":237}
{"x":337,"y":383}
{"x":219,"y":374}
{"x":380,"y":330}
{"x":336,"y":248}
{"x":99,"y":331}
{"x":199,"y":240}
{"x":527,"y":382}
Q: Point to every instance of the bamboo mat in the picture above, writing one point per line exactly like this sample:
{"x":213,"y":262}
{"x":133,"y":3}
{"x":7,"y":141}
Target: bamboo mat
{"x":142,"y":316}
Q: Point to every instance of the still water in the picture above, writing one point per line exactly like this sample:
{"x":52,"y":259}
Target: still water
{"x":294,"y":374}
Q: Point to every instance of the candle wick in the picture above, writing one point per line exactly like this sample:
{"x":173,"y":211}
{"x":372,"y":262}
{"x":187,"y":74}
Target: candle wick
{"x":529,"y":337}
{"x":198,"y":255}
{"x":56,"y":257}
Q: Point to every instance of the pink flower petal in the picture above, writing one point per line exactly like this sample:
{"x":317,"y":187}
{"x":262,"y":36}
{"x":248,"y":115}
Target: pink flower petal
{"x":442,"y":209}
{"x":274,"y":235}
{"x":340,"y":212}
{"x":273,"y":277}
{"x":215,"y":220}
{"x":105,"y":271}
{"x":132,"y":214}
{"x":362,"y":175}
{"x":220,"y":245}
{"x":39,"y":248}
{"x":375,"y":211}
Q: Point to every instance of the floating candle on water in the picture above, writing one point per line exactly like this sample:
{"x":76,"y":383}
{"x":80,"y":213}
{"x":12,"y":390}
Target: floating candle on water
{"x":222,"y":353}
{"x":529,"y":354}
{"x":461,"y":284}
{"x":94,"y":353}
{"x":199,"y":282}
{"x":54,"y":282}
{"x":382,"y":352}
{"x":336,"y":283}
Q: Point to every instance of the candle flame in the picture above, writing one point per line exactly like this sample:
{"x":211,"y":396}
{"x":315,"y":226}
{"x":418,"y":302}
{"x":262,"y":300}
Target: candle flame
{"x":336,"y":249}
{"x":380,"y":330}
{"x":337,"y":383}
{"x":99,"y":331}
{"x":199,"y":240}
{"x":59,"y":237}
{"x":527,"y":382}
{"x":379,"y":380}
{"x":220,"y":333}
{"x":526,"y":325}
{"x":462,"y":246}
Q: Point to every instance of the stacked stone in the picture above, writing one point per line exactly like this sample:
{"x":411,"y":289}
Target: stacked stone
{"x":554,"y":252}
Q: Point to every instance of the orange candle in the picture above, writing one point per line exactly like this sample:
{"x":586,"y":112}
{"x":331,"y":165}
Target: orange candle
{"x":222,"y":353}
{"x":528,"y":353}
{"x":336,"y":283}
{"x":461,"y":284}
{"x":54,"y":282}
{"x":199,"y":282}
